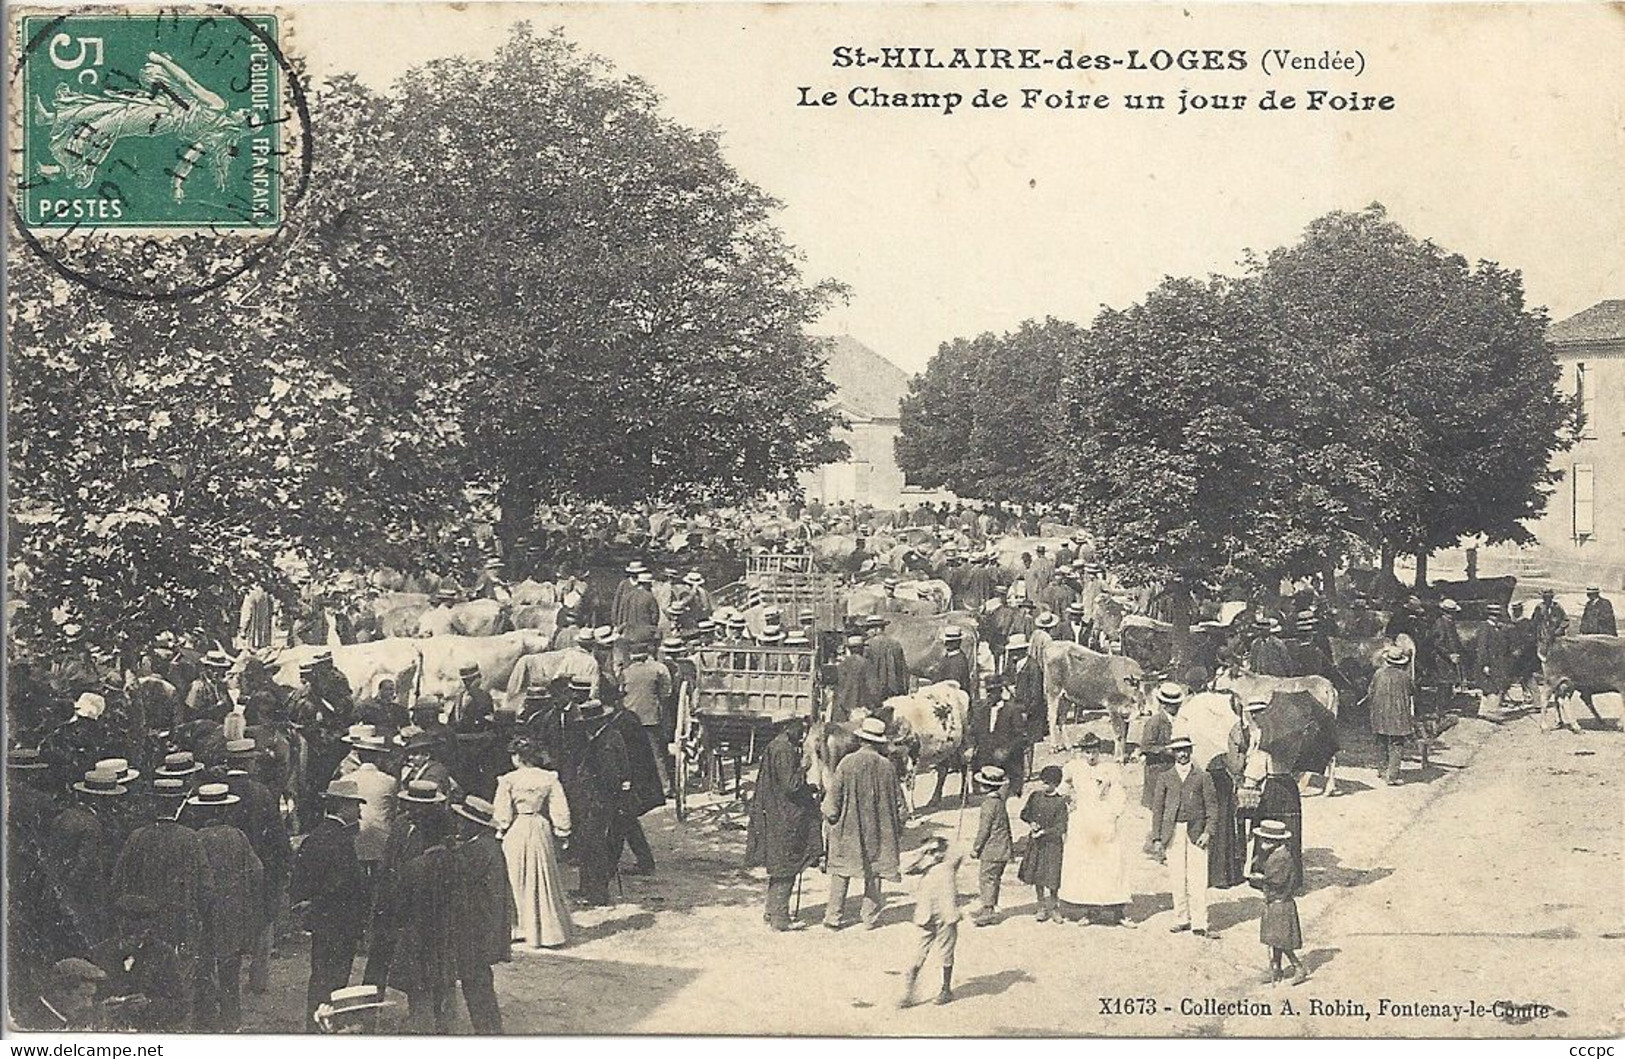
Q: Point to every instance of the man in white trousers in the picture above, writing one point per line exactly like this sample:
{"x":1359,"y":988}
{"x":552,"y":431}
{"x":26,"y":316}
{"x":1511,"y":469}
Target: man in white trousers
{"x":1184,"y":812}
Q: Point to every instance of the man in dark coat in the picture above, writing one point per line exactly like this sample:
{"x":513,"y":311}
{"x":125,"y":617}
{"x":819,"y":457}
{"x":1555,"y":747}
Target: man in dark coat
{"x":1444,"y":644}
{"x":1549,"y":620}
{"x":647,"y":792}
{"x":996,"y":732}
{"x":955,"y":664}
{"x":482,"y":899}
{"x":1598,"y":617}
{"x":784,"y":835}
{"x":472,"y":710}
{"x":424,"y":920}
{"x":1184,"y":813}
{"x":596,"y":810}
{"x":886,"y":658}
{"x":1392,"y":703}
{"x":235,"y":910}
{"x":143,"y":967}
{"x":166,"y":863}
{"x":864,"y":809}
{"x":329,"y":888}
{"x":1494,"y":664}
{"x":1025,"y":678}
{"x":855,"y":684}
{"x":1268,"y":656}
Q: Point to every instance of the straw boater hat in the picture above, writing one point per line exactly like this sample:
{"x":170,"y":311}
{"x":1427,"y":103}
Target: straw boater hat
{"x":772,"y":635}
{"x":672,"y":644}
{"x":1450,"y":605}
{"x":592,"y":708}
{"x":695,"y":578}
{"x":445,"y":595}
{"x":1594,"y":590}
{"x":1272,"y":830}
{"x":241,"y":746}
{"x":1256,"y":706}
{"x":891,"y":582}
{"x":217,"y":659}
{"x":1018,"y":642}
{"x":872,"y":730}
{"x":343,"y":1004}
{"x":343,"y":790}
{"x":213,"y":794}
{"x":470,"y":669}
{"x":796,"y":638}
{"x":1089,"y":741}
{"x":359,"y":733}
{"x":953,"y":634}
{"x":1182,"y":743}
{"x":1262,"y":620}
{"x":420,"y":740}
{"x":179,"y":765}
{"x":705,"y":625}
{"x":493,"y":563}
{"x":875,"y":621}
{"x":476,"y":810}
{"x":1170,"y":693}
{"x":167,"y":787}
{"x":422,"y":792}
{"x":1048,"y":620}
{"x":25,"y":759}
{"x":1075,"y":609}
{"x":604,"y":636}
{"x":990,"y":776}
{"x":119,"y":767}
{"x":1396,"y":656}
{"x":100,"y":781}
{"x":580,"y":683}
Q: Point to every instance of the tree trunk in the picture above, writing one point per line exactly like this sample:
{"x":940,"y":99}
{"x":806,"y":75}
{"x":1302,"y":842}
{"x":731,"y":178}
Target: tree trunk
{"x":1179,"y":616}
{"x":1386,"y":562}
{"x":1328,"y":579}
{"x":1472,"y":564}
{"x":1422,"y":569}
{"x":513,"y":530}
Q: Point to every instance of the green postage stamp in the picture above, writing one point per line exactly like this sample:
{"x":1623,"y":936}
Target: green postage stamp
{"x":160,"y":120}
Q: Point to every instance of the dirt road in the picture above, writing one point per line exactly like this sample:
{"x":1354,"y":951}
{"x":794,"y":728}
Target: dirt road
{"x":1495,"y":875}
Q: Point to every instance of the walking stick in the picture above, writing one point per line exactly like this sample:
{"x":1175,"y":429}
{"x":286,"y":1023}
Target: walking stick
{"x":796,"y":914}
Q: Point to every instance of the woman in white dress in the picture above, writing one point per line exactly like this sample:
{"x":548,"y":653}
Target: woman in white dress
{"x":1094,"y":875}
{"x":530,"y":813}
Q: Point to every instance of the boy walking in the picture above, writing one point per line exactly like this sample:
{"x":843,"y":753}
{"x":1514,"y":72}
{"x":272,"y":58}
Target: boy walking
{"x":936,"y":913}
{"x":993,"y":846}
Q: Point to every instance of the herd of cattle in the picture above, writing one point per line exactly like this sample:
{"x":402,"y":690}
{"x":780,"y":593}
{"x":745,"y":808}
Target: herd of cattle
{"x":931,"y":722}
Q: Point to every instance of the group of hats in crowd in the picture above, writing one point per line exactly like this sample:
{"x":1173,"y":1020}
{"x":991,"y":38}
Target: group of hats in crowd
{"x":113,"y":777}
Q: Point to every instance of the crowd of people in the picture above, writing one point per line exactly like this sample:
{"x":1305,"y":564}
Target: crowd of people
{"x":176,"y":814}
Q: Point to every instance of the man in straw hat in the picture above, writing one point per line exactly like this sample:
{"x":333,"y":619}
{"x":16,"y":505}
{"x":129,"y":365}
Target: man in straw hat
{"x":1184,"y":813}
{"x":856,"y":686}
{"x":234,"y":909}
{"x":864,"y":810}
{"x":328,"y":888}
{"x":1597,"y":619}
{"x":80,"y":844}
{"x":1391,"y":700}
{"x":165,"y":863}
{"x":482,"y":897}
{"x":472,"y":709}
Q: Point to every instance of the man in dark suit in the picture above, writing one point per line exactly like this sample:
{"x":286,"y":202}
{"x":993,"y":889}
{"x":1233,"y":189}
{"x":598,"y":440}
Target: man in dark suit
{"x":997,"y":733}
{"x":1598,"y":617}
{"x":1026,"y":679}
{"x":328,"y":885}
{"x":1185,"y":795}
{"x":955,"y":664}
{"x":855,"y":684}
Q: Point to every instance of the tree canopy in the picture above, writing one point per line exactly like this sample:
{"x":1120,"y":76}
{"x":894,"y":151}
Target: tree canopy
{"x":983,"y":415}
{"x":512,"y":276}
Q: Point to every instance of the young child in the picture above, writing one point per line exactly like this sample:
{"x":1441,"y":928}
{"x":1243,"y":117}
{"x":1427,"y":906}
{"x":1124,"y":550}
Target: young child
{"x":1041,"y":867}
{"x":993,"y":846}
{"x":936,"y":913}
{"x":1276,"y":875}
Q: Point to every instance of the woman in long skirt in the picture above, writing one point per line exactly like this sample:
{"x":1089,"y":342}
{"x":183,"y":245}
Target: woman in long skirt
{"x":531,"y":811}
{"x":1094,"y":874}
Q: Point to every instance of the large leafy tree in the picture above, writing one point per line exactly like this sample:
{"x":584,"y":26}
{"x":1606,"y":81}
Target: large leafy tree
{"x":982,"y":418}
{"x":629,"y":322}
{"x":1431,"y":374}
{"x":1185,"y":446}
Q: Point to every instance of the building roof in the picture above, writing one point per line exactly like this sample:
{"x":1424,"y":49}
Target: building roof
{"x":866,"y":383}
{"x":1603,"y":322}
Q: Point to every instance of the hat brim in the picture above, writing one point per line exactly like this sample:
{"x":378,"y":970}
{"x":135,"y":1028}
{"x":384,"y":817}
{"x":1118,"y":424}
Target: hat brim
{"x":472,"y":817}
{"x":116,"y":790}
{"x":337,"y":797}
{"x":178,"y":774}
{"x":230,"y":799}
{"x":872,"y":738}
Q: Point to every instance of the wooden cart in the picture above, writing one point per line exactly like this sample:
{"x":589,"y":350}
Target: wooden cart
{"x":742,"y":693}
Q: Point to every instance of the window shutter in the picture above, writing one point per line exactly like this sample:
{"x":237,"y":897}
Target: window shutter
{"x":1584,"y":501}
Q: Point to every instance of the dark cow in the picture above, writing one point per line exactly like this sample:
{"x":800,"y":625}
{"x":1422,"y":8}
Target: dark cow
{"x":1477,"y":598}
{"x":921,"y":637}
{"x":1584,"y":666}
